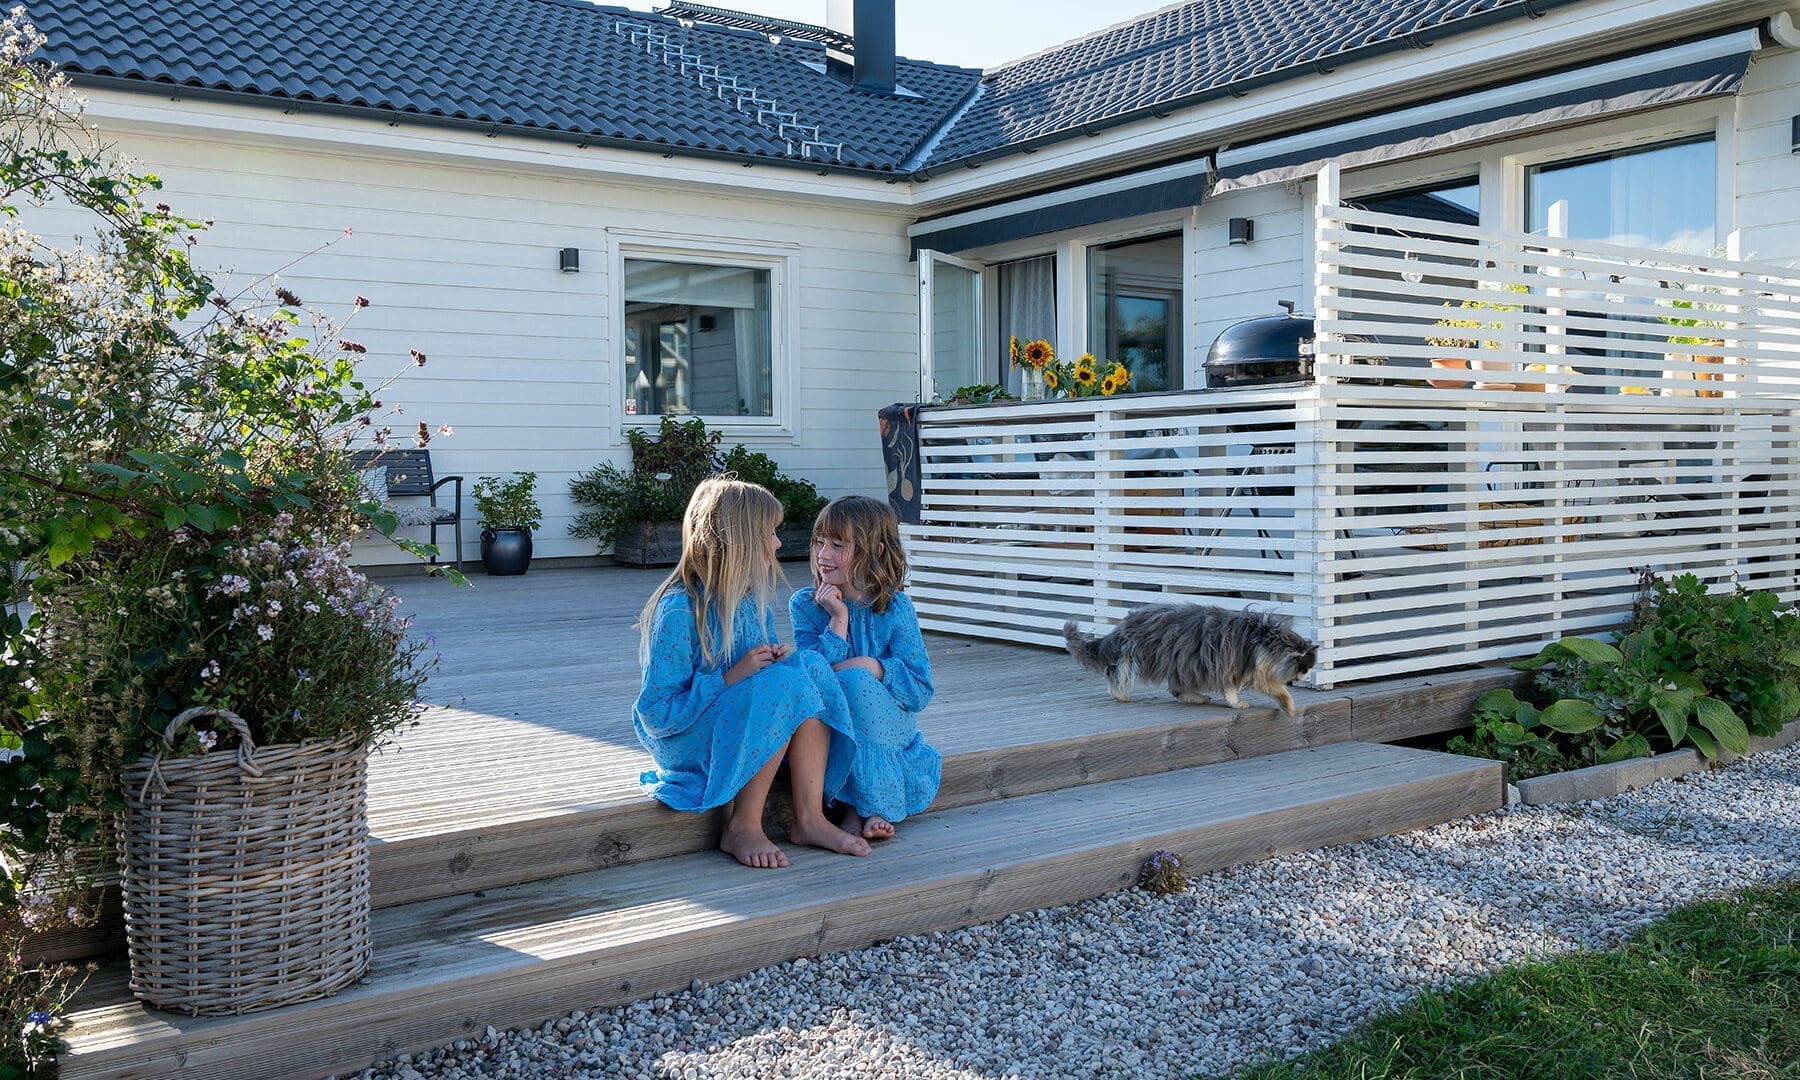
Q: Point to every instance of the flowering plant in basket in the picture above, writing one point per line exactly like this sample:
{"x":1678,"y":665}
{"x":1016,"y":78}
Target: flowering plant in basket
{"x":272,"y":624}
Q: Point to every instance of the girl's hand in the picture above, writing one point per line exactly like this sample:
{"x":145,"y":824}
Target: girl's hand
{"x":831,"y":598}
{"x":752,"y":662}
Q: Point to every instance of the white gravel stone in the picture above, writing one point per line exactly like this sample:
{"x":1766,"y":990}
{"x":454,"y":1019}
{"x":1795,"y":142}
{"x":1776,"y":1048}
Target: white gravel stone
{"x":1257,"y":962}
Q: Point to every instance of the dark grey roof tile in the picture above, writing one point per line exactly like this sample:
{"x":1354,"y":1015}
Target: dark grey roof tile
{"x":1180,"y":51}
{"x":567,"y":66}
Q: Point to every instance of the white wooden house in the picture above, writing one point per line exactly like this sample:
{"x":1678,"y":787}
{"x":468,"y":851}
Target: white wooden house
{"x":707,"y":165}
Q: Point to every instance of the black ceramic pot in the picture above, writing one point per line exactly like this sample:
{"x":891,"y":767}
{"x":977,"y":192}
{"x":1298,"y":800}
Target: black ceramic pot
{"x":505,"y":551}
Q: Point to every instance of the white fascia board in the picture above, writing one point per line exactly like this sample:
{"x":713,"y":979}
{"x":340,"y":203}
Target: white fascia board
{"x":168,"y":110}
{"x":1566,"y":35}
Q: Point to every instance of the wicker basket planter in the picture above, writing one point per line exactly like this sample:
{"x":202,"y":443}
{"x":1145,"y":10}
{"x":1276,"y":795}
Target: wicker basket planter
{"x":246,"y":875}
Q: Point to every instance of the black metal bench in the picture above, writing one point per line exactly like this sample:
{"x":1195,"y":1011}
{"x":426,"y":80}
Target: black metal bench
{"x":409,"y":473}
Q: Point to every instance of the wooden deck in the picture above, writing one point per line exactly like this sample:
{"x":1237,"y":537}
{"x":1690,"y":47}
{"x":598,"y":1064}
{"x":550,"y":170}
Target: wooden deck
{"x":528,"y":765}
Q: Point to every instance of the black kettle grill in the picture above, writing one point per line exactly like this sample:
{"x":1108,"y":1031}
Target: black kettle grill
{"x":1268,"y":349}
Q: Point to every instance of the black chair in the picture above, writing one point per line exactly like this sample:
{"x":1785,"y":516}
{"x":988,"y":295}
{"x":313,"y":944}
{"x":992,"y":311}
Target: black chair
{"x":409,"y":473}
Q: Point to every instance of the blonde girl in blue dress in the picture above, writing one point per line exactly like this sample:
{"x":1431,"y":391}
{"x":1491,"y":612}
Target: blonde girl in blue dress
{"x":856,"y":617}
{"x":723,"y":700}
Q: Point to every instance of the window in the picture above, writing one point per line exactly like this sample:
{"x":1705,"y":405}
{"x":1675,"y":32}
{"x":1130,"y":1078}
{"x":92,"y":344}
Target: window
{"x":698,"y":339}
{"x":1658,"y":196}
{"x":1135,"y":310}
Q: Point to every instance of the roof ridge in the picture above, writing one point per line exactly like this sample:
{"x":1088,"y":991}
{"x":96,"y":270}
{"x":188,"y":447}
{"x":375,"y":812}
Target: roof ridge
{"x":766,"y":112}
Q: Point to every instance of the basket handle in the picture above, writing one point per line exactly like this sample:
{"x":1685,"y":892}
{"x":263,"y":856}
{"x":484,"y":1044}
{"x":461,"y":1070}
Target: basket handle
{"x":246,"y":751}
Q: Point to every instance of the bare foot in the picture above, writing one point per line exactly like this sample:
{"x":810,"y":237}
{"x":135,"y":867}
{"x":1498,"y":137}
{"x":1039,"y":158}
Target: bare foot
{"x":752,"y":848}
{"x":873,"y":827}
{"x":823,"y":834}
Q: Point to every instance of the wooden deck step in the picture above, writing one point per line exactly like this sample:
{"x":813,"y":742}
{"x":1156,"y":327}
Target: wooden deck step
{"x":450,"y":967}
{"x":1082,"y":741}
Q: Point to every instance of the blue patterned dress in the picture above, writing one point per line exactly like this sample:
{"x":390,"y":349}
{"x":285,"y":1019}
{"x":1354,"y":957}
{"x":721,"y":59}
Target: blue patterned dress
{"x":708,"y":739}
{"x":896,"y":771}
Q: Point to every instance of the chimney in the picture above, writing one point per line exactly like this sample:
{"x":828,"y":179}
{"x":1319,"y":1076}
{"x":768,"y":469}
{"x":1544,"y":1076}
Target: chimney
{"x":868,"y":62}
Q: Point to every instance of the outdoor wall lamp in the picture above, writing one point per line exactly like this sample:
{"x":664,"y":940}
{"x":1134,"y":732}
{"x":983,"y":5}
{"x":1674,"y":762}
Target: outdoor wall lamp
{"x":569,"y":260}
{"x":1242,"y":231}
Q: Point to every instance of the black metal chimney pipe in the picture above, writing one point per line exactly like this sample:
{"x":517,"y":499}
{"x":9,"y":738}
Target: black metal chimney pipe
{"x":868,"y":64}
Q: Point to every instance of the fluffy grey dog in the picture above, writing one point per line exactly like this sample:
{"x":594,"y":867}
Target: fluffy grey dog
{"x":1195,"y":648}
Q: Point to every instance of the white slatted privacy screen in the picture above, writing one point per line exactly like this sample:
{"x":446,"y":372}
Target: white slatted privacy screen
{"x":1619,"y":410}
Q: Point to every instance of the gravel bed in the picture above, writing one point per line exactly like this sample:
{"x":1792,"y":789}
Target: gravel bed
{"x":1259,"y":961}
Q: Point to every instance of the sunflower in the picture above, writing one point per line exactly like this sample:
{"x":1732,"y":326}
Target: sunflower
{"x":1038,"y":353}
{"x":1107,"y":386}
{"x":1085,"y":374}
{"x":1015,"y":350}
{"x":1121,"y":376}
{"x":1051,"y":378}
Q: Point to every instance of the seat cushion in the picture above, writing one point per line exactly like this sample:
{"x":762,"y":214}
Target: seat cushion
{"x":422,"y":514}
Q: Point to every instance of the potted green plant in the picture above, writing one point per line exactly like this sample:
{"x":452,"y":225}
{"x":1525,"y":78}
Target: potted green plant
{"x":508,"y":510}
{"x":1692,"y":321}
{"x":637,"y":510}
{"x":1474,"y":341}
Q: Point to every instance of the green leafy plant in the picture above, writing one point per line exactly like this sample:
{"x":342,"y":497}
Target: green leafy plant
{"x":1691,"y":668}
{"x":507,"y":503}
{"x":663,"y":474}
{"x":1516,"y":732}
{"x":1744,"y":647}
{"x":800,"y":500}
{"x":1632,"y":706}
{"x":979,"y":394}
{"x":1466,"y":322}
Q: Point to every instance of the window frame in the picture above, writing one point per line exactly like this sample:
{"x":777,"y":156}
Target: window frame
{"x":777,"y":259}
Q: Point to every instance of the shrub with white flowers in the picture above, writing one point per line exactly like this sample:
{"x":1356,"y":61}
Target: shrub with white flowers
{"x":163,"y":443}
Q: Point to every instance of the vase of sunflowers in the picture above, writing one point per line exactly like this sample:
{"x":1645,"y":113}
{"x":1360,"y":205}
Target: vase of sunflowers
{"x":1044,"y":376}
{"x":1038,"y":371}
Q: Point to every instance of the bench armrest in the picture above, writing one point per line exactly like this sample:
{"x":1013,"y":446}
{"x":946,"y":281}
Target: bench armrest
{"x":441,"y":481}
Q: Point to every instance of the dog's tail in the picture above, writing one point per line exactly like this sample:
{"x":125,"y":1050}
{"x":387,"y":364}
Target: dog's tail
{"x":1095,"y":654}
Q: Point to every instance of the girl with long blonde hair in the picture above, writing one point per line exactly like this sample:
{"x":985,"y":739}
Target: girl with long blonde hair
{"x":856,"y":617}
{"x":722,"y":699}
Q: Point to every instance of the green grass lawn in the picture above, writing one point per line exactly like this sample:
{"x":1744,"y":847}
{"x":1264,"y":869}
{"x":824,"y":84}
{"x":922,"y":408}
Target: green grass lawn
{"x":1712,"y":991}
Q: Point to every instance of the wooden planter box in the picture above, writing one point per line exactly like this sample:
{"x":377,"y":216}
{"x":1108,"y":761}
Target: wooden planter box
{"x":658,"y":543}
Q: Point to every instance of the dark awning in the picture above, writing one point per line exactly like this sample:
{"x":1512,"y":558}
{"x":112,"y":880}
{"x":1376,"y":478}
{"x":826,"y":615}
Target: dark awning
{"x":1167,"y":188}
{"x":1700,"y":69}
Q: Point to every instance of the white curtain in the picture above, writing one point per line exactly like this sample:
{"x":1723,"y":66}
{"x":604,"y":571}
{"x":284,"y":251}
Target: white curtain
{"x":750,"y":327}
{"x":1027,"y":308}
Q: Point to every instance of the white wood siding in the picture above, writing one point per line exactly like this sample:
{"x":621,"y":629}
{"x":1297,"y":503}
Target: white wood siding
{"x":459,"y":261}
{"x":1768,"y":171}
